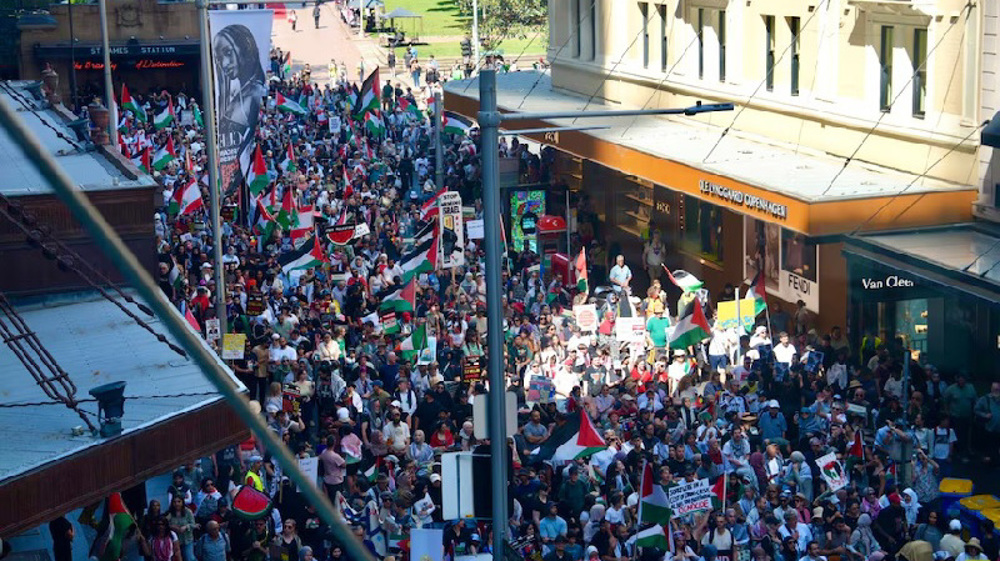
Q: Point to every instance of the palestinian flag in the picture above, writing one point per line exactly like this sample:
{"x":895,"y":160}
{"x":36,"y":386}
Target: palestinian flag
{"x":198,"y":119}
{"x":119,"y":524}
{"x":427,"y":232}
{"x":374,"y":124}
{"x":690,"y":329}
{"x":655,"y":537}
{"x":286,"y":68}
{"x":288,"y":165}
{"x":371,"y":474}
{"x":143,"y":161}
{"x":257,"y":179}
{"x":165,"y":155}
{"x":401,"y":299}
{"x":368,"y":96}
{"x":453,"y":123}
{"x":577,"y":438}
{"x":286,"y":105}
{"x":757,"y":292}
{"x":409,"y":108}
{"x":165,"y":118}
{"x":719,"y":491}
{"x":192,"y":321}
{"x":857,"y":449}
{"x":186,"y":199}
{"x":410,"y":347}
{"x":251,"y":504}
{"x":303,"y":223}
{"x":684,"y":280}
{"x":429,"y":209}
{"x":265,"y":221}
{"x":132,"y":105}
{"x":309,"y":254}
{"x":652,"y":500}
{"x":389,"y":324}
{"x":288,"y":216}
{"x":423,"y":259}
{"x":431,"y":107}
{"x":580,"y":267}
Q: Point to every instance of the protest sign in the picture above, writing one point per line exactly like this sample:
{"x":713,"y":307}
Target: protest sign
{"x":586,"y":317}
{"x":690,"y":497}
{"x":540,"y":389}
{"x":630,"y":329}
{"x":310,"y":467}
{"x":451,"y":242}
{"x":477,"y":229}
{"x":726,"y":313}
{"x":472,"y":371}
{"x":255,"y":304}
{"x":833,"y":472}
{"x":212,"y":329}
{"x":233,"y":346}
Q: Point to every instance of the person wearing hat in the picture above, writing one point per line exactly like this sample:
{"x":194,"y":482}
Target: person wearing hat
{"x":678,"y":369}
{"x":253,"y":476}
{"x":773,"y":425}
{"x":973,"y":551}
{"x":559,"y":553}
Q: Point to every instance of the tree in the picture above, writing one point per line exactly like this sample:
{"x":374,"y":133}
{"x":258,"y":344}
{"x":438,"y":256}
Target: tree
{"x":500,"y":20}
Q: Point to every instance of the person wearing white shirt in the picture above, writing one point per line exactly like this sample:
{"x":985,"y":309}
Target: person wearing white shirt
{"x":650,"y":401}
{"x":620,"y":275}
{"x":784,"y":351}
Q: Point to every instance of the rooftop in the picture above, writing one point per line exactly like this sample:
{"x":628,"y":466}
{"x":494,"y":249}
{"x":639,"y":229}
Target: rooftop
{"x":690,"y":140}
{"x":90,"y":170}
{"x":95,"y":343}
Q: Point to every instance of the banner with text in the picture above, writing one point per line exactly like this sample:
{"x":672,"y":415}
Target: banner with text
{"x":241,"y":47}
{"x":452,"y":241}
{"x":690,"y":497}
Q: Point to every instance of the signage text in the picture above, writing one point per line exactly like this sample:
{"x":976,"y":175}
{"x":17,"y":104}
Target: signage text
{"x":752,"y":202}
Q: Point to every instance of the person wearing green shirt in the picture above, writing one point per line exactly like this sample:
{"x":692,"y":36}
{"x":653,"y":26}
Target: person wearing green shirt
{"x":656,"y":331}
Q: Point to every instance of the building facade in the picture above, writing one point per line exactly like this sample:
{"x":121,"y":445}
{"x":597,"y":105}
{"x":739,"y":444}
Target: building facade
{"x":154,"y":46}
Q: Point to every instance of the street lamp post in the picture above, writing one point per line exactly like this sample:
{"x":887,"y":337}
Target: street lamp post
{"x":490,"y":119}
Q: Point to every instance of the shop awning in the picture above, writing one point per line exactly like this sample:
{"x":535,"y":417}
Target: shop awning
{"x":803,"y":191}
{"x":964,"y":257}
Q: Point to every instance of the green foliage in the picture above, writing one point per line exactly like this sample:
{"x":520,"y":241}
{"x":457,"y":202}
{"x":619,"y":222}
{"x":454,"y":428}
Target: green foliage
{"x":505,"y":19}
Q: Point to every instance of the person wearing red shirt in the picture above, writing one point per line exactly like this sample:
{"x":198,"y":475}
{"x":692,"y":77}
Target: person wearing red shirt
{"x":442,"y":439}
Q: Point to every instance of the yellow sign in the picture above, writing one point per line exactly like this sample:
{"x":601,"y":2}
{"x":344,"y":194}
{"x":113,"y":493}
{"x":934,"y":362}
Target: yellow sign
{"x":233,"y":346}
{"x":726,"y":313}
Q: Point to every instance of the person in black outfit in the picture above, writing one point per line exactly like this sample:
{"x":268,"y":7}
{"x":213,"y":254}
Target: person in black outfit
{"x":62,"y":538}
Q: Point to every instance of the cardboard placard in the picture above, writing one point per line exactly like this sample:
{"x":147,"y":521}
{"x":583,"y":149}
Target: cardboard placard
{"x":233,"y":346}
{"x":586,"y":317}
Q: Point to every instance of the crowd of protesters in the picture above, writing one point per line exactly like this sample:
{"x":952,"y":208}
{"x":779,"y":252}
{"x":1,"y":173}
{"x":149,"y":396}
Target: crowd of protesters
{"x":751,"y":408}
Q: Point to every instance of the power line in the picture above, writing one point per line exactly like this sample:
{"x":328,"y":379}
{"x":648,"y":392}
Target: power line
{"x":914,"y":181}
{"x":91,"y":400}
{"x":767,"y":76}
{"x":878,"y":121}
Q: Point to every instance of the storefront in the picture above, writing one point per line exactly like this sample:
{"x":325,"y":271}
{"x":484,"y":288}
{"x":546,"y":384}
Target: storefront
{"x":721,"y":215}
{"x":142,"y":66}
{"x":934,"y":290}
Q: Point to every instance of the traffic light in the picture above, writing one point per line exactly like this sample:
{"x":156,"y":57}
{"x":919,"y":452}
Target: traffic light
{"x":466,"y":47}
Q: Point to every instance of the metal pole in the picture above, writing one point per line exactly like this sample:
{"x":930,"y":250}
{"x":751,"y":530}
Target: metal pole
{"x":438,"y":144}
{"x":125,"y":261}
{"x":208,"y":111}
{"x":475,"y":36}
{"x":739,"y":327}
{"x":489,"y":122}
{"x":569,"y":244}
{"x":72,"y":61}
{"x":109,"y":87}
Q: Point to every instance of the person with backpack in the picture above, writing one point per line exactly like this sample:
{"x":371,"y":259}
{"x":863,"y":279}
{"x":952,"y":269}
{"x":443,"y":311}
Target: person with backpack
{"x":213,"y":545}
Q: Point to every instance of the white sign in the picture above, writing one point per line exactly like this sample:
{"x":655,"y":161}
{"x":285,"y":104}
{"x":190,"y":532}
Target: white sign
{"x":690,"y":497}
{"x":630,"y":329}
{"x":451,"y":243}
{"x":456,"y":497}
{"x":793,"y":288}
{"x":477,"y":229}
{"x":586,"y":317}
{"x":212,"y":330}
{"x":310,"y":467}
{"x":832,"y":471}
{"x":361,"y":230}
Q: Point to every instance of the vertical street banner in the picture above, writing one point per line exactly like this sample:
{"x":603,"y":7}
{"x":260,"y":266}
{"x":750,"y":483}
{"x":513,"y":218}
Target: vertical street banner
{"x":241,"y":46}
{"x":452,"y":243}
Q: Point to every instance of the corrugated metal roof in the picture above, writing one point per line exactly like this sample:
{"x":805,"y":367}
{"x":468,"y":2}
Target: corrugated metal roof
{"x":96,"y":343}
{"x":964,"y":249}
{"x":755,"y":161}
{"x":89,"y":170}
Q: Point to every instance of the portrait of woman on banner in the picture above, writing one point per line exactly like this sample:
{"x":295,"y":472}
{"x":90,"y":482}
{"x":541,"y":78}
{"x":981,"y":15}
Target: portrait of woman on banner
{"x":240,"y":85}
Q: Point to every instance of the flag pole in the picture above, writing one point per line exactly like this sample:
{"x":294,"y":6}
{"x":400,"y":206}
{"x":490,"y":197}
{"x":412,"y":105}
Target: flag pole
{"x":740,"y":328}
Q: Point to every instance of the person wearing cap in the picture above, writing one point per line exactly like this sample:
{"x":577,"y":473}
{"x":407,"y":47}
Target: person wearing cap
{"x":559,"y":552}
{"x":773,"y":425}
{"x":952,"y":542}
{"x":254,"y":474}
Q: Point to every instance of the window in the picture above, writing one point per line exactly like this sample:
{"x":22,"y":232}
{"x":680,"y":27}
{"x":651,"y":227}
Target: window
{"x":663,"y":36}
{"x":722,"y":45}
{"x":701,"y":43}
{"x":919,"y":72}
{"x":701,"y":228}
{"x":577,"y":40}
{"x":593,"y":30}
{"x":644,"y":12}
{"x":794,"y":25}
{"x":885,"y":62}
{"x":769,"y":52}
